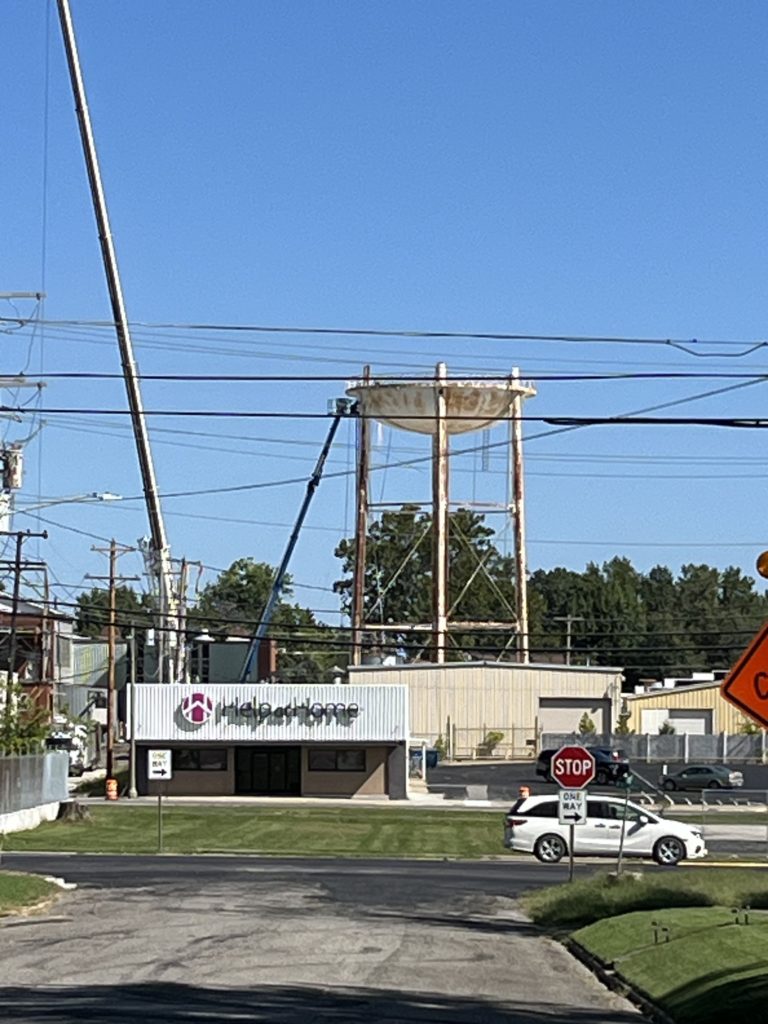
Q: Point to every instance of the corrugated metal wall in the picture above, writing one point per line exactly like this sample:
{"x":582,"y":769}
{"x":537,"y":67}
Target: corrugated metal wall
{"x":725,"y":717}
{"x":161,"y":711}
{"x":489,"y":696}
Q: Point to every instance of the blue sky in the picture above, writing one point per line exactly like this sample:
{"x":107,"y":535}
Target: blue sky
{"x":549,"y":168}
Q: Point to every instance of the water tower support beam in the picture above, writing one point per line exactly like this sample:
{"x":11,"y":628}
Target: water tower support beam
{"x":518,"y":495}
{"x":361,"y":528}
{"x":440,"y":518}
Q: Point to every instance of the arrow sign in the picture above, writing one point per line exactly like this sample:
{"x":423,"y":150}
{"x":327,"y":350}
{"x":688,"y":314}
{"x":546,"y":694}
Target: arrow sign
{"x":572,"y":807}
{"x":746,"y":686}
{"x":159,"y":764}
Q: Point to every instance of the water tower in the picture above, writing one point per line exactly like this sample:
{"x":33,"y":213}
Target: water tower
{"x":440,"y":407}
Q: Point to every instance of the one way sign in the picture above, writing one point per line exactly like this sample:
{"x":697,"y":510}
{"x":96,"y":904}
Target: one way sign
{"x":159,"y":765}
{"x":572,"y":809}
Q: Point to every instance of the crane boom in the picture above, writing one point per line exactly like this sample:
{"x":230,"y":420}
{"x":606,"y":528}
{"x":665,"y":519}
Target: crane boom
{"x":160,"y":554}
{"x":342,"y":408}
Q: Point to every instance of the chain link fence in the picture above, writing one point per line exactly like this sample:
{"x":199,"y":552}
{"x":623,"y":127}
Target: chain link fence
{"x":32,"y":780}
{"x":720,"y":748}
{"x":490,"y":743}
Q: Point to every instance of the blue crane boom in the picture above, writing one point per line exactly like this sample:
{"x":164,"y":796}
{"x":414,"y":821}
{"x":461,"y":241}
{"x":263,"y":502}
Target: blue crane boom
{"x":342,"y":407}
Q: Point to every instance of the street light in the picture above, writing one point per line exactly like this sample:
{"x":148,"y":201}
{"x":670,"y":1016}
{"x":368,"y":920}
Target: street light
{"x":7,"y":505}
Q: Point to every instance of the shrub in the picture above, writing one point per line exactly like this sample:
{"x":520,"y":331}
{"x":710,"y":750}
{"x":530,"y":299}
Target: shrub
{"x":489,"y":744}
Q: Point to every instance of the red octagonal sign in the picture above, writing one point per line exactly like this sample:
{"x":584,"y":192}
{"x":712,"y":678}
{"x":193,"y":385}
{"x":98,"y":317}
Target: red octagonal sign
{"x":572,"y":767}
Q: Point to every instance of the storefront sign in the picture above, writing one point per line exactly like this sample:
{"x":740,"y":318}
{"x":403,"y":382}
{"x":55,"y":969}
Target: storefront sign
{"x":198,"y":708}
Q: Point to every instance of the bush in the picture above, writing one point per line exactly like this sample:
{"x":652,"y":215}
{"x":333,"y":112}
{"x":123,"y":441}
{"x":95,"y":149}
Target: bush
{"x":489,"y":744}
{"x":586,"y":725}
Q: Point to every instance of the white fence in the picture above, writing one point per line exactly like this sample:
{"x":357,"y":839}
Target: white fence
{"x":686,"y":747}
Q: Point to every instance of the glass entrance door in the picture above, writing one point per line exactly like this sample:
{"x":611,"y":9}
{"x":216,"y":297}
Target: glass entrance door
{"x":268,"y":771}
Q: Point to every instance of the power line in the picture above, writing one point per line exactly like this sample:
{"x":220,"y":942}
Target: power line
{"x":373,"y":332}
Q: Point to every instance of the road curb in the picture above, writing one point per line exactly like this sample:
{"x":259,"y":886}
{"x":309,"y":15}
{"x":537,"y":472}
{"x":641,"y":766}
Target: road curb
{"x":616,"y":982}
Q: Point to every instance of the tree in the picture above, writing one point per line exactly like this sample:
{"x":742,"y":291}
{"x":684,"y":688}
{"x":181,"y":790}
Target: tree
{"x":23,"y":724}
{"x":132,"y":610}
{"x":234,"y":604}
{"x":398,"y":577}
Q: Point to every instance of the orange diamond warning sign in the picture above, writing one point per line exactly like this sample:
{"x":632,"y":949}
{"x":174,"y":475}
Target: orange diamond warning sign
{"x":746,"y":685}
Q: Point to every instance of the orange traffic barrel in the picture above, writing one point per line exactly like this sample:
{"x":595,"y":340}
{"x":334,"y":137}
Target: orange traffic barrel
{"x":111,"y":789}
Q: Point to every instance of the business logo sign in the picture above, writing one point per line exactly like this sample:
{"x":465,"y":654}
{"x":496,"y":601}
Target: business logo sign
{"x":196,"y":708}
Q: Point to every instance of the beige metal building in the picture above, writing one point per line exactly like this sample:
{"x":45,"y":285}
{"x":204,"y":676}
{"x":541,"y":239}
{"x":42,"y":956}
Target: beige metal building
{"x":696,"y":709}
{"x":464,"y":702}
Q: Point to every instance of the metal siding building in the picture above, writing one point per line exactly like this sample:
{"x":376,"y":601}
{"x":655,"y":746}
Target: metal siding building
{"x":299,"y":740}
{"x":464,"y":701}
{"x":697,"y":709}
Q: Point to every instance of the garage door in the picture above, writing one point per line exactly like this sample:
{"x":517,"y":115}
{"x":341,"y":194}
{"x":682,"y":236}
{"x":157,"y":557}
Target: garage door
{"x":696,"y":722}
{"x":563,"y":714}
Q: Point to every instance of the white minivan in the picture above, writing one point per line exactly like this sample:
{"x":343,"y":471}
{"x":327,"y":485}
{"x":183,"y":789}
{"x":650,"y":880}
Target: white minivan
{"x":531,"y":826}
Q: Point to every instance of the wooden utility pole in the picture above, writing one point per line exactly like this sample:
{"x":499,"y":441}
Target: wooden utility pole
{"x":20,"y":536}
{"x":114,"y":551}
{"x":361,"y":528}
{"x":440,"y":518}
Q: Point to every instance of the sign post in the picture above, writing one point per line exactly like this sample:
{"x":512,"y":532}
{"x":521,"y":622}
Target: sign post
{"x":572,"y":768}
{"x":159,"y":769}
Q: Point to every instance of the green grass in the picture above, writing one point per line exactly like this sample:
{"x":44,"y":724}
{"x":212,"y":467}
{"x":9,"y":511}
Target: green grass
{"x":709,"y":972}
{"x":354,"y":832}
{"x":19,"y":891}
{"x":586,"y":901}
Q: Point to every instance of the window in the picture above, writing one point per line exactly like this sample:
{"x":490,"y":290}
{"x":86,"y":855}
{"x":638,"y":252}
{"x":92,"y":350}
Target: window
{"x":337,"y":760}
{"x":189,"y":759}
{"x":547,"y":809}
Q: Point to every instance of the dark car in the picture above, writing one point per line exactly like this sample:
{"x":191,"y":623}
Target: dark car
{"x":610,"y":765}
{"x":702,"y":776}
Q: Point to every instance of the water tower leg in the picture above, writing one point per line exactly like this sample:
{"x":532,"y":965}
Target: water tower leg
{"x":440,"y":519}
{"x":361,"y":531}
{"x":521,"y":558}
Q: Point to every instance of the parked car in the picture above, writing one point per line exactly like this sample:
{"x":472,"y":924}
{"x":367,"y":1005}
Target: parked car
{"x":702,"y":776}
{"x":610,"y":765}
{"x":531,"y":826}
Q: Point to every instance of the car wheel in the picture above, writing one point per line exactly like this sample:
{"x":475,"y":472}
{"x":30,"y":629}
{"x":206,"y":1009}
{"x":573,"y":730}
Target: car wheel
{"x":669,"y":784}
{"x":668,"y":851}
{"x":550,"y":849}
{"x":714,"y":784}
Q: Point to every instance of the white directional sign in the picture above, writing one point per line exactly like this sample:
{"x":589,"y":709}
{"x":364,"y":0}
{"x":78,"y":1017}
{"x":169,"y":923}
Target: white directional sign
{"x":159,"y":765}
{"x":572,"y":808}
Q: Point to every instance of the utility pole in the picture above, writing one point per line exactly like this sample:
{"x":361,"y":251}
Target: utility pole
{"x":361,"y":528}
{"x":132,"y":790}
{"x":114,"y":551}
{"x":21,"y":536}
{"x":518,"y":498}
{"x":568,"y":620}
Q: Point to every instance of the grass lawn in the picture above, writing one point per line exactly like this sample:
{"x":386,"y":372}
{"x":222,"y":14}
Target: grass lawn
{"x":19,"y":891}
{"x":710,"y":971}
{"x":583,"y":902}
{"x":354,"y":832}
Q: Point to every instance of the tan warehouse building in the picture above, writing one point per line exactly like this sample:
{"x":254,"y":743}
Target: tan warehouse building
{"x":696,"y":709}
{"x":465,"y":702}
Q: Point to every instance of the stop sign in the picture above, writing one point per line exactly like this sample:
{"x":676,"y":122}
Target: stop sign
{"x":572,"y":767}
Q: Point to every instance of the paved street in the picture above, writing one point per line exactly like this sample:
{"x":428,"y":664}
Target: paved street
{"x":246,"y":939}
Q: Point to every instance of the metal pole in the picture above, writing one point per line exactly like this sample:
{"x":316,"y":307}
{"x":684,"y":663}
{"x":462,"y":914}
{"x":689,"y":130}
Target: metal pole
{"x":14,"y":621}
{"x":518,"y":494}
{"x":252,"y":657}
{"x":361,"y":529}
{"x":623,"y":830}
{"x":111,"y":657}
{"x":119,"y":315}
{"x":440,"y":518}
{"x":159,"y":822}
{"x":181,"y":672}
{"x":571,"y":840}
{"x":132,"y":790}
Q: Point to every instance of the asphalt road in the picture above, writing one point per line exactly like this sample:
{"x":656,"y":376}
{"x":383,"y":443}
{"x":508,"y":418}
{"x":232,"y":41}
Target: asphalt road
{"x":209,"y":939}
{"x":504,"y":779}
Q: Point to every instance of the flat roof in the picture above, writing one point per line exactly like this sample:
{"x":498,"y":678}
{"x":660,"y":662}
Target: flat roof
{"x":413,"y":666}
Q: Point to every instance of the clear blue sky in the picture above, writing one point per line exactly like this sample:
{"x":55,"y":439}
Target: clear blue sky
{"x":577,"y":168}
